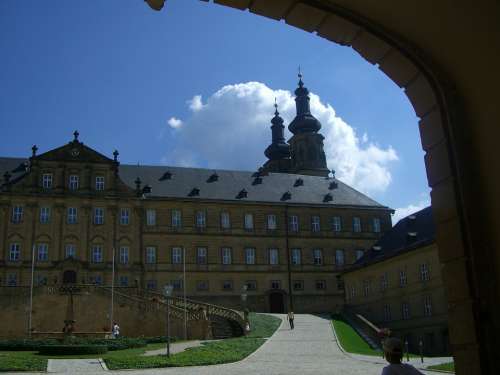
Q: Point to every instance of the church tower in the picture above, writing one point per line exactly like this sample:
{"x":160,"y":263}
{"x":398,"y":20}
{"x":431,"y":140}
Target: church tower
{"x":306,"y":144}
{"x":278,"y":152}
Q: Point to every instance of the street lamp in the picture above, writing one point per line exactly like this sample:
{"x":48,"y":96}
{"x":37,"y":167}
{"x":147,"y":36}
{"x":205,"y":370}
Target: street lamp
{"x":167,"y":292}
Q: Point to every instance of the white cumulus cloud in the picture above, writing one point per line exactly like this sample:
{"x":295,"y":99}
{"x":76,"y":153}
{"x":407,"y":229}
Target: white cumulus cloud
{"x":174,"y":122}
{"x":402,"y":212}
{"x":231,"y":130}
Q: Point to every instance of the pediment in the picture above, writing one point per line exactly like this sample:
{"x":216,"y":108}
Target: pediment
{"x":74,"y":151}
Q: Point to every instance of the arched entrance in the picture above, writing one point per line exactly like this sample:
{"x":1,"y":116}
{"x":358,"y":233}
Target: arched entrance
{"x":69,"y":277}
{"x":276,"y":303}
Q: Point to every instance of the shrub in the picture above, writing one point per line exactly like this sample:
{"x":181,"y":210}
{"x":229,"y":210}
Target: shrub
{"x":72,"y":349}
{"x":159,"y":339}
{"x":120,"y":343}
{"x":25,"y":344}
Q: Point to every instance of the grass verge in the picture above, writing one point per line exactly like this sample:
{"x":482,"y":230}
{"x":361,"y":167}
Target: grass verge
{"x":350,"y":340}
{"x":262,"y":325}
{"x":450,"y":366}
{"x":11,"y":361}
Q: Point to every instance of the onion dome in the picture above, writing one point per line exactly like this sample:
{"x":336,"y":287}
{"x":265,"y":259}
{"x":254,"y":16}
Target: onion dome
{"x":278,"y":149}
{"x":304,"y":121}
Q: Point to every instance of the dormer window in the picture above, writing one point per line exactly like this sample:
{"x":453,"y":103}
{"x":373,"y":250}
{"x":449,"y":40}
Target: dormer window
{"x":47,"y":180}
{"x":332,"y":185}
{"x":257,"y":181}
{"x":327,"y":198}
{"x":99,"y":183}
{"x":194,"y":192}
{"x":242,"y":194}
{"x":213,"y":177}
{"x":74,"y":182}
{"x":166,"y":176}
{"x":298,"y":182}
{"x":286,"y":196}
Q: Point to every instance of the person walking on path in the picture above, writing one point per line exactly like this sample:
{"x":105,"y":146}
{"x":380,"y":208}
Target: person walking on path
{"x":116,"y":330}
{"x":290,"y":318}
{"x":393,"y":352}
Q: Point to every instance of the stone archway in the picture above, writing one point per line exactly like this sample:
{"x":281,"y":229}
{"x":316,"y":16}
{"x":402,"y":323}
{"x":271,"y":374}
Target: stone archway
{"x":276,"y":302}
{"x":472,"y":293}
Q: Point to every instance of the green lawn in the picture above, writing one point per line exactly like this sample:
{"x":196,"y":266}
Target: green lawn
{"x":223,"y":351}
{"x":350,"y":340}
{"x":444,"y":367}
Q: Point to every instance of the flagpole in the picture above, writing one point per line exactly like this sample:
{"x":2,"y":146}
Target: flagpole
{"x":31,"y":289}
{"x":112,"y":292}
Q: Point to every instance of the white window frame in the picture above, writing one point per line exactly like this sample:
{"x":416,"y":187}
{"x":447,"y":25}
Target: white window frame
{"x":201,"y":255}
{"x":72,"y":215}
{"x":202,"y":285}
{"x":98,"y":215}
{"x":176,"y":218}
{"x":151,"y":284}
{"x":318,"y":257}
{"x":96,"y":254}
{"x":427,"y":306}
{"x":403,"y":280}
{"x":124,"y":216}
{"x":317,"y":283}
{"x":124,"y":255}
{"x":359,"y":253}
{"x":405,"y":310}
{"x":336,"y":223}
{"x":226,"y":253}
{"x":274,"y":257}
{"x":44,"y":215}
{"x":298,"y":285}
{"x":15,"y":252}
{"x":73,"y":182}
{"x":17,"y":214}
{"x":229,"y":283}
{"x":150,"y":254}
{"x":356,"y":224}
{"x":225,"y":220}
{"x":387,"y":312}
{"x":384,"y":281}
{"x":272,"y":222}
{"x":177,"y":255}
{"x":294,"y":223}
{"x":339,"y":257}
{"x":376,"y":225}
{"x":366,"y":288}
{"x":201,"y":219}
{"x":250,"y":255}
{"x":47,"y":180}
{"x":315,"y":223}
{"x":275,"y":284}
{"x":296,"y":254}
{"x":424,"y":272}
{"x":248,"y":221}
{"x":99,"y":183}
{"x":69,"y":251}
{"x":353,"y":291}
{"x":123,"y":280}
{"x":42,"y":253}
{"x":251,"y":285}
{"x":12,"y":279}
{"x":150,"y":217}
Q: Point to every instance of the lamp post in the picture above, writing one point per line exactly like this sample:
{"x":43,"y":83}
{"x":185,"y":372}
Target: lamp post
{"x":421,"y":346}
{"x":407,"y":351}
{"x":244,"y":289}
{"x":167,"y":292}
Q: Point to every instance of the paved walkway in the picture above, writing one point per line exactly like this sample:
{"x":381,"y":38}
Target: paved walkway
{"x":70,"y":366}
{"x":175,"y":347}
{"x":309,"y":349}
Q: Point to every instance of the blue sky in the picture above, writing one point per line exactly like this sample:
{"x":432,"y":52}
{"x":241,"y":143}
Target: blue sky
{"x":118,"y":71}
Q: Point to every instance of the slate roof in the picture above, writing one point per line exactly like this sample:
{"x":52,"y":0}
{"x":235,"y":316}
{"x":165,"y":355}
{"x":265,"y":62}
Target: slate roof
{"x":227,"y":185}
{"x":410,"y":233}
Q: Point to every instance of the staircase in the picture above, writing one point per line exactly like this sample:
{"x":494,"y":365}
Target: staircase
{"x":366,"y":329}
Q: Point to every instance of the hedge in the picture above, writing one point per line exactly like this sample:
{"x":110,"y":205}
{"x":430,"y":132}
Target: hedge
{"x":25,"y":344}
{"x":72,"y":349}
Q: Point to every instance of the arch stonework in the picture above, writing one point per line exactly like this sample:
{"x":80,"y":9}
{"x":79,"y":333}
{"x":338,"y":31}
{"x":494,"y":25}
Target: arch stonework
{"x":471,"y":294}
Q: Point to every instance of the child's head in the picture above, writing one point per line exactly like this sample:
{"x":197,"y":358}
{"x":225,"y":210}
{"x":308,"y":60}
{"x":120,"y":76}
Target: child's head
{"x":393,"y":349}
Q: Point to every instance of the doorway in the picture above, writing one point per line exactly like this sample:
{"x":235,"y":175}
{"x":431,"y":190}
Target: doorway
{"x":276,"y":304}
{"x":69,"y":277}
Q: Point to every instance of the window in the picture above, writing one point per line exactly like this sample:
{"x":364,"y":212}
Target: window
{"x":201,"y":255}
{"x":402,"y":278}
{"x":405,"y":310}
{"x":70,"y":251}
{"x":356,"y":224}
{"x":44,"y":215}
{"x":275,"y":284}
{"x":225,"y":221}
{"x":124,"y":254}
{"x":98,"y":216}
{"x":150,"y":254}
{"x":376,"y":225}
{"x":177,"y":284}
{"x":176,"y":255}
{"x":294,"y":223}
{"x":315,"y":224}
{"x":41,"y":280}
{"x":424,"y":272}
{"x":226,"y":255}
{"x":43,"y":252}
{"x":123,"y":280}
{"x":47,"y":180}
{"x":151,"y":284}
{"x":384,"y":282}
{"x":427,"y":306}
{"x":150,"y":217}
{"x":96,"y":254}
{"x":353,"y":291}
{"x":97,"y":279}
{"x":99,"y":183}
{"x":72,"y":215}
{"x":124,"y":216}
{"x":271,"y":222}
{"x":366,"y":288}
{"x":248,"y":221}
{"x":176,"y":219}
{"x":15,"y":252}
{"x":359,"y":253}
{"x":251,"y":285}
{"x":387,"y":313}
{"x":298,"y":285}
{"x":17,"y":214}
{"x":250,"y":255}
{"x":201,"y":220}
{"x":318,"y":257}
{"x":320,"y":284}
{"x":336,"y":224}
{"x":339,"y":258}
{"x":274,"y":257}
{"x":74,"y":182}
{"x":11,"y":279}
{"x":202,"y":285}
{"x":296,"y":257}
{"x":227,"y":285}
